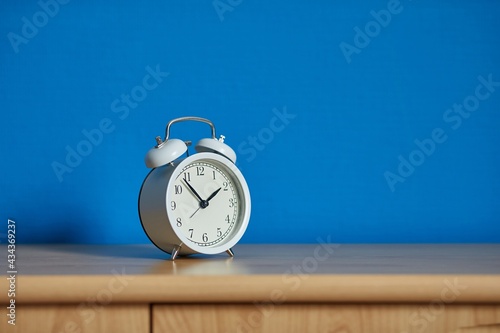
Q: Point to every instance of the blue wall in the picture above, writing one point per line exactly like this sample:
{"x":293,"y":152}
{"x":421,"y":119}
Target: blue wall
{"x":374,"y":121}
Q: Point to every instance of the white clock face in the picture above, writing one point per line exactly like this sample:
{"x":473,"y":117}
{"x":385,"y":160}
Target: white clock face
{"x":205,"y":202}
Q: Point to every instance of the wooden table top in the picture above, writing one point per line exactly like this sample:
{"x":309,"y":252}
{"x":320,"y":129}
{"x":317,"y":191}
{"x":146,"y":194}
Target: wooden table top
{"x":300,"y":273}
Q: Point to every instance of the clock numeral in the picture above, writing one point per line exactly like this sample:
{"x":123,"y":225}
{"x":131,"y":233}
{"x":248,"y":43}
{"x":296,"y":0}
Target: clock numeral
{"x":173,"y":205}
{"x":179,"y":222}
{"x":205,"y":237}
{"x":178,"y":189}
{"x":187,"y":176}
{"x":219,"y":232}
{"x":225,"y":184}
{"x":191,"y":233}
{"x":232,"y":202}
{"x":200,"y":171}
{"x":213,"y":173}
{"x":227,"y":219}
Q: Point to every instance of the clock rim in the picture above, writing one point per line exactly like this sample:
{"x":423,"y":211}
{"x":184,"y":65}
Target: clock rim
{"x":240,"y":227}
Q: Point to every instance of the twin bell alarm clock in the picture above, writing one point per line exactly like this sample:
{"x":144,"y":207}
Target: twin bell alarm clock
{"x":197,"y":203}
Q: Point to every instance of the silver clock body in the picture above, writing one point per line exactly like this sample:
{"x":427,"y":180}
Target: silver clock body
{"x":178,"y":222}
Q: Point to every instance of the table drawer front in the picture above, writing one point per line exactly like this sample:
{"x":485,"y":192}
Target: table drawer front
{"x":330,"y":318}
{"x":79,"y":318}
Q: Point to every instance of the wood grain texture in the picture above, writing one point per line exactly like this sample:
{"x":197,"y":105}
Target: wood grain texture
{"x":87,"y":317}
{"x":377,"y":318}
{"x":316,"y":288}
{"x":303,"y":273}
{"x":265,"y":288}
{"x":268,"y":259}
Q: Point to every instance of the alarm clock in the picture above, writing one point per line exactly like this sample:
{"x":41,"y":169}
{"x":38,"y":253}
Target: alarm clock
{"x":198,"y":203}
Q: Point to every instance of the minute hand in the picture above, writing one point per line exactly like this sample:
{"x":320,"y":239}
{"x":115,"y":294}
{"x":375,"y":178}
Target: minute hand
{"x":193,"y":190}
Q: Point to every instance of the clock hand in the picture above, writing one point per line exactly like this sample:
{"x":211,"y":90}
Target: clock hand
{"x":193,"y":191}
{"x":213,"y":195}
{"x":195,"y":212}
{"x":204,"y":203}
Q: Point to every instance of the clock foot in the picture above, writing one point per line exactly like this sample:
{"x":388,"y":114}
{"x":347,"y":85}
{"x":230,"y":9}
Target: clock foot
{"x":175,"y":252}
{"x":230,"y":252}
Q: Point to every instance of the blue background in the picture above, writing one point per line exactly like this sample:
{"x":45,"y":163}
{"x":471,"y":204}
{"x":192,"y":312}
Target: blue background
{"x":321,"y":173}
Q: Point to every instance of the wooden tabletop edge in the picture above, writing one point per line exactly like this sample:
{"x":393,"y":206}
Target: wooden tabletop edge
{"x":158,"y":288}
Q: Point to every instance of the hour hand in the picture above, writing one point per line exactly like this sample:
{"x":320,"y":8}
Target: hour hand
{"x":213,"y":194}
